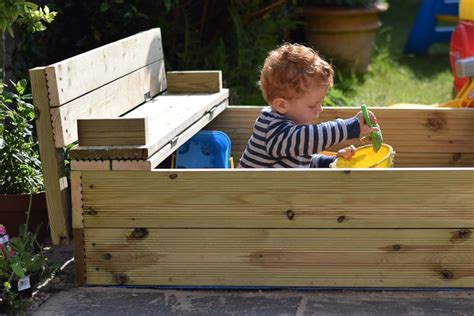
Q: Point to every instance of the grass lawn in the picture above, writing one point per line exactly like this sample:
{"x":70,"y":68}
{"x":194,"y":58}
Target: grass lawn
{"x":396,"y":77}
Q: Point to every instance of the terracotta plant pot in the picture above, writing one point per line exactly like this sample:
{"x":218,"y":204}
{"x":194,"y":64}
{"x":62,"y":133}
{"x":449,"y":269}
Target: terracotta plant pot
{"x":344,"y":35}
{"x":13,"y":208}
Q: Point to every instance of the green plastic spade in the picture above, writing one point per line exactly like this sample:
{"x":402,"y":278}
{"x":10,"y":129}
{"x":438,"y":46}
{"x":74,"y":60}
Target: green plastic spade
{"x":375,"y":137}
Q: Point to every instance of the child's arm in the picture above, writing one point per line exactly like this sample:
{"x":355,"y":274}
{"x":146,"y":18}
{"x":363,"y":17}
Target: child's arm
{"x":285,"y":139}
{"x":323,"y":161}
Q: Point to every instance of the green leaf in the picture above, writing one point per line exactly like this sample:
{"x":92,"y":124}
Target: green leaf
{"x":21,"y":86}
{"x":31,"y":5}
{"x":22,"y":229}
{"x":17,"y":269}
{"x":104,"y":6}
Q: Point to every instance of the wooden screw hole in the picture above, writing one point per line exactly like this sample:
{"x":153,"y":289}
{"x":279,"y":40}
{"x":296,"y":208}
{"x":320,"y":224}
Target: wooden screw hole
{"x":290,"y":214}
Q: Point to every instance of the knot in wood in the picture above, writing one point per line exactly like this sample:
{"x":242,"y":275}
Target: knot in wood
{"x":91,"y":212}
{"x":396,"y":247}
{"x":456,"y":157}
{"x":435,"y":124}
{"x":290,"y":214}
{"x":447,"y":274}
{"x":173,"y":176}
{"x":464,"y":234}
{"x":107,"y":256}
{"x":340,"y":219}
{"x":121,"y":279}
{"x":37,"y":112}
{"x":139,"y":233}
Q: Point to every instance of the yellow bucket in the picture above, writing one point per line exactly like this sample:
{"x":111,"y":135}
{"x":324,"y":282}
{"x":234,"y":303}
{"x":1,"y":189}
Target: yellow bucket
{"x":366,"y":157}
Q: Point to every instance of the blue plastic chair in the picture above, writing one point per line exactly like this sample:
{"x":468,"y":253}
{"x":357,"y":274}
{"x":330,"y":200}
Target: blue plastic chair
{"x":424,"y":31}
{"x":206,"y":149}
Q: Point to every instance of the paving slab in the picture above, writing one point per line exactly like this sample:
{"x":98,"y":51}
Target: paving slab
{"x":135,"y":301}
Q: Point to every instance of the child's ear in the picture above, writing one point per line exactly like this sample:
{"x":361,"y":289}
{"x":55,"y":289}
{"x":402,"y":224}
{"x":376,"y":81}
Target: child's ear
{"x":279,"y":105}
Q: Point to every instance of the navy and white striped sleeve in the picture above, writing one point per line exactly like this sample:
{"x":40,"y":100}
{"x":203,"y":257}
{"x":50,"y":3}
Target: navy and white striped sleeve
{"x":285,"y":139}
{"x":321,"y":161}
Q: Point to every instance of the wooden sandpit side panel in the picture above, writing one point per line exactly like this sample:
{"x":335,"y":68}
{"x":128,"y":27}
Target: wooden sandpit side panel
{"x":431,"y":137}
{"x":364,"y":228}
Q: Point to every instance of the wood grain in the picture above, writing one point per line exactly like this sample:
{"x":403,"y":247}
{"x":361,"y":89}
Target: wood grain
{"x":390,"y":198}
{"x":279,"y":257}
{"x":78,"y":75}
{"x":52,"y":162}
{"x":194,"y":81}
{"x":111,"y":100}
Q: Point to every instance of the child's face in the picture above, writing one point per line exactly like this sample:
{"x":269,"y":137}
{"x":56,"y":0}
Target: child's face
{"x":305,"y":108}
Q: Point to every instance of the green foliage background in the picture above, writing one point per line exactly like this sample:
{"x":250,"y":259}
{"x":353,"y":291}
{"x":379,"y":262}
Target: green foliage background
{"x":25,"y":13}
{"x":20,"y":167}
{"x":230,"y":35}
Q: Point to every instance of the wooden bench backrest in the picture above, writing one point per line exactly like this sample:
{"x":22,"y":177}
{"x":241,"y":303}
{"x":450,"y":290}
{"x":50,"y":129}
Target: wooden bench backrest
{"x":104,"y":82}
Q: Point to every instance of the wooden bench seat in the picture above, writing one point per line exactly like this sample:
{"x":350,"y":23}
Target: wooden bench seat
{"x":101,"y":90}
{"x":142,"y":132}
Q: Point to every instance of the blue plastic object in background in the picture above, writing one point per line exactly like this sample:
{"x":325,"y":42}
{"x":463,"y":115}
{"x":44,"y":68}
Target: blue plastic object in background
{"x":206,"y":149}
{"x":424,"y":31}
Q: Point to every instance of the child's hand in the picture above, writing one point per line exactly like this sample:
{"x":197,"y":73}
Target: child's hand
{"x":346,"y":153}
{"x":364,"y":128}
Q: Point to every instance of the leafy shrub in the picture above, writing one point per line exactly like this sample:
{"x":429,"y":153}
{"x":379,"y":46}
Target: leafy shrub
{"x":233,"y":36}
{"x":20,"y":167}
{"x":336,"y":97}
{"x":26,"y":13}
{"x":21,"y":257}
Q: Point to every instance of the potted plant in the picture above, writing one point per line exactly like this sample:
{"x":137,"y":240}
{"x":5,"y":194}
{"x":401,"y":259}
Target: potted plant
{"x":22,"y":266}
{"x":344,"y":30}
{"x":21,"y":180}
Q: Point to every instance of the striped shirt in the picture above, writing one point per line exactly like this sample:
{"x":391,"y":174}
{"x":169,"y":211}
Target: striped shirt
{"x":278,"y":142}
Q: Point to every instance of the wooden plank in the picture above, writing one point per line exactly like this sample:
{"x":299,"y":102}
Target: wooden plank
{"x":111,"y":100}
{"x":402,"y":159}
{"x":92,"y":153}
{"x":172,"y":146}
{"x":194,"y":81}
{"x":79,"y":257}
{"x":434,"y":159}
{"x":112,"y":131}
{"x":304,"y":216}
{"x":168,"y":116}
{"x":76,"y":200}
{"x":78,"y":227}
{"x":52,"y":162}
{"x":280,"y":257}
{"x":90,"y":165}
{"x":80,"y":74}
{"x":302,"y":198}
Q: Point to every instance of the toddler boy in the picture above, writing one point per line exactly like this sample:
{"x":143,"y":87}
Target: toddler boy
{"x":294,"y":81}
